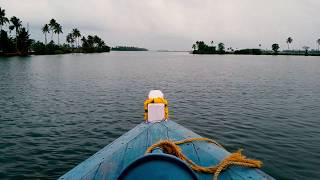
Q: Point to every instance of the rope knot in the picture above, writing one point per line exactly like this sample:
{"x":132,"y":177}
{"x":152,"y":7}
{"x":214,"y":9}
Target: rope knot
{"x":167,"y":146}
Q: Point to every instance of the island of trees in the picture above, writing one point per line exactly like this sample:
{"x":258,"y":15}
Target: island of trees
{"x":200,"y":47}
{"x":128,"y":48}
{"x":15,"y":39}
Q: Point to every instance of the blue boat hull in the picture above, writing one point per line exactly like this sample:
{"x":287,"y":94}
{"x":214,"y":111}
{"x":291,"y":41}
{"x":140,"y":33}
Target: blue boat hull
{"x":110,"y":161}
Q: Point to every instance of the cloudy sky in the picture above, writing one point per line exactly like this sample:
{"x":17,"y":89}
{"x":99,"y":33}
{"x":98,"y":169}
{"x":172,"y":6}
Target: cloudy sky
{"x":176,"y":24}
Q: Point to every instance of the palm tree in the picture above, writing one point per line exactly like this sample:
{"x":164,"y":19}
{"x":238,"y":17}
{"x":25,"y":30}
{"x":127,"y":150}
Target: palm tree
{"x":76,"y":33}
{"x":90,"y":41}
{"x":11,"y":28}
{"x":289,"y":41}
{"x":24,"y":42}
{"x":52,"y":26}
{"x":58,"y":30}
{"x":194,"y":47}
{"x":221,"y":47}
{"x":275,"y":47}
{"x":306,"y":49}
{"x":96,"y":40}
{"x":70,"y":39}
{"x":45,"y":30}
{"x":3,"y":19}
{"x":101,"y":44}
{"x":318,"y":41}
{"x":84,"y":42}
{"x":16,"y":24}
{"x":197,"y":44}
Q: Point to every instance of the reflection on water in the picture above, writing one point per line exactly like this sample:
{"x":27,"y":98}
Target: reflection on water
{"x":56,"y":111}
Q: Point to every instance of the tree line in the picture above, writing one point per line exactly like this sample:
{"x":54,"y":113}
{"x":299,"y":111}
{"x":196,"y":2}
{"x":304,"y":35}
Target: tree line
{"x":20,"y":43}
{"x":17,"y":44}
{"x":128,"y":48}
{"x":200,"y":47}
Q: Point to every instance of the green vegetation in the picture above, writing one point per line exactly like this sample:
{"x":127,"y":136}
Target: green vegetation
{"x":275,"y":48}
{"x":289,"y":41}
{"x":306,"y":50}
{"x":128,"y":48}
{"x":20,"y":43}
{"x":15,"y":41}
{"x":45,"y":31}
{"x":200,"y":47}
{"x":3,"y":19}
{"x":249,"y":51}
{"x":93,"y":44}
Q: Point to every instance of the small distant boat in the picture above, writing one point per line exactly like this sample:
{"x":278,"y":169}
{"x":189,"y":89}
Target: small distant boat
{"x":144,"y":153}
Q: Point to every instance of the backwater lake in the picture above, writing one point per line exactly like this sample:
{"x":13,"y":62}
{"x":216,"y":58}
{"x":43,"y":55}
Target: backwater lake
{"x":58,"y":110}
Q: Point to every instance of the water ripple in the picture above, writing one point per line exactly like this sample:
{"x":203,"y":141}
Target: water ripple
{"x":56,"y":111}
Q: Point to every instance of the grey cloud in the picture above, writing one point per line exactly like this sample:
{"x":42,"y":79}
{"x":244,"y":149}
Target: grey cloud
{"x":175,"y":24}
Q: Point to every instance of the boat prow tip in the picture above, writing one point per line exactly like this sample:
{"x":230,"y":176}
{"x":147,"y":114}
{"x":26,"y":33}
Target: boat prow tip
{"x":155,"y":107}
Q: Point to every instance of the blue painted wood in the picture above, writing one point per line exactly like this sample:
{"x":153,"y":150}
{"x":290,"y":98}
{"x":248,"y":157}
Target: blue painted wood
{"x":203,"y":158}
{"x":85,"y":168}
{"x":109,"y":168}
{"x":157,"y":132}
{"x":109,"y":162}
{"x":187,"y":148}
{"x":135,"y":149}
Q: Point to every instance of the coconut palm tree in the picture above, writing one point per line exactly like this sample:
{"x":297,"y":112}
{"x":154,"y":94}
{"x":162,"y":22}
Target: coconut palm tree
{"x":96,"y":40}
{"x":289,"y":41}
{"x":52,"y":26}
{"x":90,"y":41}
{"x":101,"y":43}
{"x":3,"y":19}
{"x":24,"y":42}
{"x":76,"y":34}
{"x":318,"y":41}
{"x":16,"y":24}
{"x":45,"y":30}
{"x":11,"y":28}
{"x":84,"y":42}
{"x":70,"y":39}
{"x":197,"y":44}
{"x":58,"y":30}
{"x":306,"y":49}
{"x":221,"y":47}
{"x":194,"y":47}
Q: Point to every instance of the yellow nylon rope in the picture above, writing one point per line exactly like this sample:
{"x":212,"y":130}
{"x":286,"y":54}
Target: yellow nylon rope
{"x":156,"y":100}
{"x":171,"y":147}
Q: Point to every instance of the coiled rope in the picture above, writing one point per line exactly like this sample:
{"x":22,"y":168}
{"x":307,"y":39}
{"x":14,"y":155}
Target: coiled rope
{"x":171,"y":147}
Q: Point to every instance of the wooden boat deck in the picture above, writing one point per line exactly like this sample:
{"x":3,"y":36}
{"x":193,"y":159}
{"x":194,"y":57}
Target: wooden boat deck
{"x":110,"y":161}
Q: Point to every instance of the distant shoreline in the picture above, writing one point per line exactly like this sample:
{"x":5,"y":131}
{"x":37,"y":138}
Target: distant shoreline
{"x":262,"y":54}
{"x":200,"y":47}
{"x":128,"y":48}
{"x":187,"y":52}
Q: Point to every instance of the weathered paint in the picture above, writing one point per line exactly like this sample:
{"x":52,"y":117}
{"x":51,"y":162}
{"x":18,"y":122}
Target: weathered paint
{"x":112,"y":159}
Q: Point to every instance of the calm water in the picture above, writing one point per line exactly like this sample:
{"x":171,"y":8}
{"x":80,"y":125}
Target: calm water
{"x":56,"y":111}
